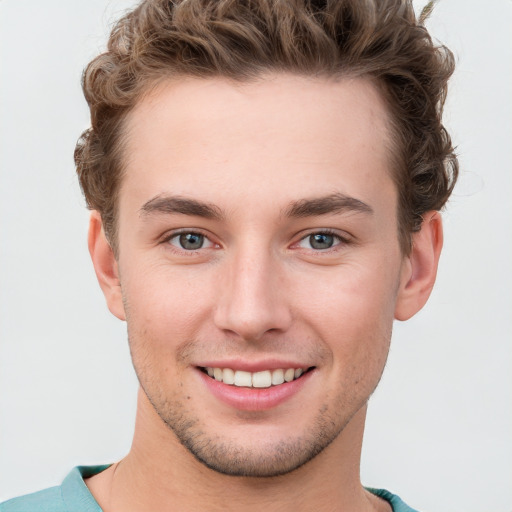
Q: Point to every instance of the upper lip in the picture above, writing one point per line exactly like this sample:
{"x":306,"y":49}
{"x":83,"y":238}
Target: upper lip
{"x":253,"y":366}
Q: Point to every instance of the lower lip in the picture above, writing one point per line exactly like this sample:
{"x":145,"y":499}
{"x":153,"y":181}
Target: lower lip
{"x":254,"y":399}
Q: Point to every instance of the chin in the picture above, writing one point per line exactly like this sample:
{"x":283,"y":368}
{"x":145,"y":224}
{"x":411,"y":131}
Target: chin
{"x":257,"y":454}
{"x":270,"y":460}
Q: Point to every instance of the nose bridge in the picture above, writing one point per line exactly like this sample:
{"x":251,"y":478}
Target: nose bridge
{"x":250,"y":303}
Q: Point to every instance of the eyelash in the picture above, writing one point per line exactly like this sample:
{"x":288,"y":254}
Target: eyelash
{"x":181,"y":250}
{"x":340,"y":241}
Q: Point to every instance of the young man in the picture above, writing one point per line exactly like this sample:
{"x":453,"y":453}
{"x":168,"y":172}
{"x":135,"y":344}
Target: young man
{"x":265,"y":179}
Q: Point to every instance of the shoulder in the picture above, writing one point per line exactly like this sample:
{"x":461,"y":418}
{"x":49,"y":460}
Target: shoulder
{"x":396,"y":503}
{"x":48,"y":500}
{"x":71,"y":496}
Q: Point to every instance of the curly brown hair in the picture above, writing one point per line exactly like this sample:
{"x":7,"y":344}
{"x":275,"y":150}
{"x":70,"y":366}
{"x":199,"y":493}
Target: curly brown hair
{"x":244,"y":39}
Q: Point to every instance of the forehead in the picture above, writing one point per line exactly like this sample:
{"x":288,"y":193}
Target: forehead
{"x":284,"y":137}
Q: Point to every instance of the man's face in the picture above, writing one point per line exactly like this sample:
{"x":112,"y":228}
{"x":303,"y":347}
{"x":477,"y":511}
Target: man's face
{"x":257,"y":236}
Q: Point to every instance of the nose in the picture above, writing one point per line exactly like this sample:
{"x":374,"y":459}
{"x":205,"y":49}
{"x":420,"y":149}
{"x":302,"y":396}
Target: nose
{"x":252,"y":299}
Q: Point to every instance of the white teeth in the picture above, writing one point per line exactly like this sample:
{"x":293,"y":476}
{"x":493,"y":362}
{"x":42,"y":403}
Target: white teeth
{"x":228,"y":376}
{"x":263,"y":379}
{"x":277,"y":377}
{"x":289,"y":375}
{"x":243,"y":379}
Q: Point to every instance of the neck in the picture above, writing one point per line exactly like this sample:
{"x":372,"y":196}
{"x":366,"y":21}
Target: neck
{"x":159,"y":474}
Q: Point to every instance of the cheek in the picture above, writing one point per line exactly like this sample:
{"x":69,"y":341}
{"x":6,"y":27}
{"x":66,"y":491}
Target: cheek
{"x":353,"y":315}
{"x":163,"y":309}
{"x":155,"y":307}
{"x":356,"y":295}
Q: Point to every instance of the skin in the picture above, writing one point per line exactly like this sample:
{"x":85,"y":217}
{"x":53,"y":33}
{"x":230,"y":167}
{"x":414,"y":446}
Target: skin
{"x":256,"y":169}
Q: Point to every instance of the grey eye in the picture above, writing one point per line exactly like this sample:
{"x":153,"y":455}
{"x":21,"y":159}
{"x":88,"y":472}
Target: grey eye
{"x":191,"y":241}
{"x":321,"y":241}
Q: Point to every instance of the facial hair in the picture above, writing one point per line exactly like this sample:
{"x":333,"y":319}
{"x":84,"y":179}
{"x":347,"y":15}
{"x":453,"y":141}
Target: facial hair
{"x":222,"y":454}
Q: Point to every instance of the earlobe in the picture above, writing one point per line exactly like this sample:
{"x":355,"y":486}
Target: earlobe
{"x":420,"y":267}
{"x":105,"y":266}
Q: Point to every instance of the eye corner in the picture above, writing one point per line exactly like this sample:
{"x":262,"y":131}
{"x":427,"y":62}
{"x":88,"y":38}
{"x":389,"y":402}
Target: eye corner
{"x":322,"y":241}
{"x":188,"y":241}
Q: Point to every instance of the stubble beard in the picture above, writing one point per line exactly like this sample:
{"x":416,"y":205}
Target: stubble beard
{"x":262,"y":459}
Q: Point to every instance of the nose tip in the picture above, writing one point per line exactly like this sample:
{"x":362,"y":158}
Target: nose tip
{"x":253,"y":325}
{"x":248,"y":330}
{"x":250,"y":316}
{"x":251,"y":303}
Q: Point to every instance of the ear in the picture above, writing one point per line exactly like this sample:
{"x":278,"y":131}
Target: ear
{"x":419,"y":269}
{"x":105,"y":266}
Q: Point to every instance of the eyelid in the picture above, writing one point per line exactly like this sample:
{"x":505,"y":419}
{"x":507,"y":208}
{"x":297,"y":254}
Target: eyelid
{"x":342,"y":239}
{"x":167,"y":237}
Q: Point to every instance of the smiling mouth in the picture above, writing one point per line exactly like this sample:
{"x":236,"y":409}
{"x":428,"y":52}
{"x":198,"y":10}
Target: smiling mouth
{"x":263,"y":379}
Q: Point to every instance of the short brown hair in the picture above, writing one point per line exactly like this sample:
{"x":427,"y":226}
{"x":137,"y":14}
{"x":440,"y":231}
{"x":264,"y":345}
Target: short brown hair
{"x":244,"y":39}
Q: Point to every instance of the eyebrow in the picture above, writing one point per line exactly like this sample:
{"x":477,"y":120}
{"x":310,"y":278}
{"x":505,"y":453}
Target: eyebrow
{"x":334,"y":203}
{"x":176,"y":204}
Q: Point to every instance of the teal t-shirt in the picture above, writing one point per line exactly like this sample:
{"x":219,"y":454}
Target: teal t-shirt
{"x":74,"y":496}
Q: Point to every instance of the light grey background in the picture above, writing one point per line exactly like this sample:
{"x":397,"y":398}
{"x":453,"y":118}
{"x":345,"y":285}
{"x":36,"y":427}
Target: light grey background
{"x":440,"y":425}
